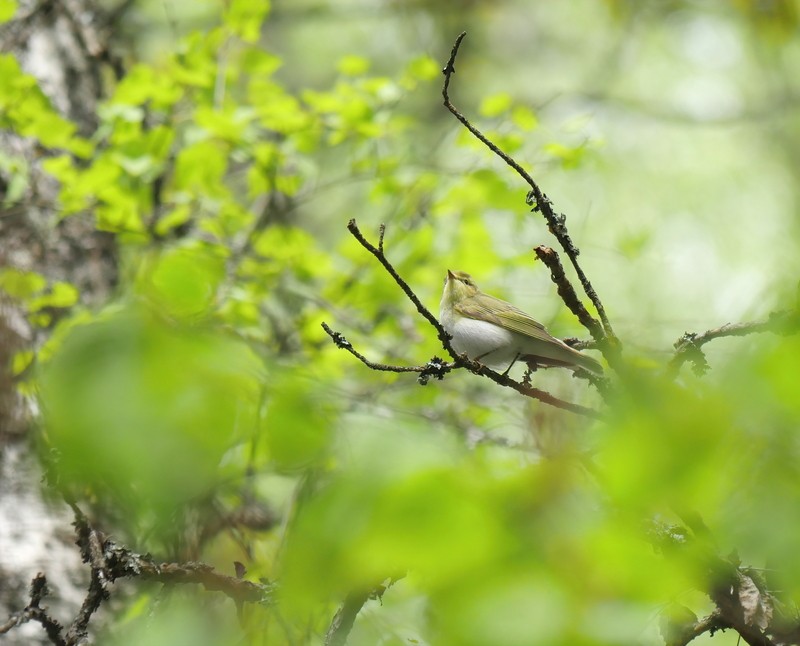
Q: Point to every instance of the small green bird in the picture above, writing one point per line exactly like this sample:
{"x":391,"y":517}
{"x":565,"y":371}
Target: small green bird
{"x":497,"y":334}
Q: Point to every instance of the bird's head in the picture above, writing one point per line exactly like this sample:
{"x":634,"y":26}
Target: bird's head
{"x":459,"y":285}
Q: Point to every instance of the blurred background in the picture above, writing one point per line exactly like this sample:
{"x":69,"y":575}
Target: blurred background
{"x":174,"y":371}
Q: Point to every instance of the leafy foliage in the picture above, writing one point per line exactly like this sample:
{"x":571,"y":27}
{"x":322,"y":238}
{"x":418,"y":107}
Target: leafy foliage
{"x":207,"y":383}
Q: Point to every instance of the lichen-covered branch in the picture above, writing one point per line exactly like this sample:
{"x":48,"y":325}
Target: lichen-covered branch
{"x":109,"y":562}
{"x":567,"y":292}
{"x":345,"y":617}
{"x":555,"y":222}
{"x":437,"y":367}
{"x":688,"y":347}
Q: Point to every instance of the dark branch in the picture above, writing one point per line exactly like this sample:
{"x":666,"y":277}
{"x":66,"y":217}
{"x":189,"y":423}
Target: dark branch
{"x":444,"y":337}
{"x":343,"y":620}
{"x":436,"y":367}
{"x":688,"y":347}
{"x":727,"y":579}
{"x":567,"y":292}
{"x":110,"y":562}
{"x":555,"y":222}
{"x":685,"y":634}
{"x":34,"y":612}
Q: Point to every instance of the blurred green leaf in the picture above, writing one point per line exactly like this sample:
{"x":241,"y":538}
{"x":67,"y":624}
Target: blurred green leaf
{"x":524,"y":118}
{"x":353,"y":65}
{"x":21,"y":284}
{"x":244,"y":17}
{"x":183,"y":281}
{"x":298,"y":423}
{"x":495,"y":105}
{"x":60,"y":295}
{"x":140,"y":412}
{"x":423,"y":68}
{"x":7,"y":10}
{"x":21,"y":361}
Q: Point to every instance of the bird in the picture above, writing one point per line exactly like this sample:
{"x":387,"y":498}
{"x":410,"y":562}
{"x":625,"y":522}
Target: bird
{"x":497,"y":334}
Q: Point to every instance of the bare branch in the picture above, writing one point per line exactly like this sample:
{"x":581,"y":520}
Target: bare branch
{"x":436,"y":367}
{"x":567,"y":293}
{"x":688,"y":347}
{"x":444,"y":337}
{"x":34,"y":612}
{"x":555,"y":222}
{"x":343,"y":620}
{"x":110,"y":562}
{"x":685,"y":634}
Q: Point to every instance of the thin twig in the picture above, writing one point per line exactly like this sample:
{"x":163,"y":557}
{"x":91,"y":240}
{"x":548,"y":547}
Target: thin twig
{"x":382,"y":231}
{"x":34,"y":612}
{"x":688,"y":347}
{"x":436,"y":367}
{"x":555,"y":222}
{"x":444,"y":337}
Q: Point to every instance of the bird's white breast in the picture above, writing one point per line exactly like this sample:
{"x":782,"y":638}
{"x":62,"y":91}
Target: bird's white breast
{"x":490,"y":343}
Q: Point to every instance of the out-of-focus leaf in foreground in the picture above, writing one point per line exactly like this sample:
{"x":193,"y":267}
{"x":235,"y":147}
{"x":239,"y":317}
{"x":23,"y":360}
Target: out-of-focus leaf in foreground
{"x":139,"y":412}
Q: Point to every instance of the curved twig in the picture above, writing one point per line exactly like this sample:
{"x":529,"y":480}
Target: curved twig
{"x":688,"y":347}
{"x":437,"y":367}
{"x":541,"y":203}
{"x":444,"y":337}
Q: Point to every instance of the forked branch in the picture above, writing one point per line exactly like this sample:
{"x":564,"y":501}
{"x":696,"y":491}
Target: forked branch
{"x":541,"y":203}
{"x":688,"y":347}
{"x":437,"y":367}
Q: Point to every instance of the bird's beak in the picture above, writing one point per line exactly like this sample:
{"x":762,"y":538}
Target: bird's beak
{"x":450,"y":275}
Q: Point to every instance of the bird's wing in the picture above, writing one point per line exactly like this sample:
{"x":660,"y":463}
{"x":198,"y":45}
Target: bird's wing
{"x":505,"y":315}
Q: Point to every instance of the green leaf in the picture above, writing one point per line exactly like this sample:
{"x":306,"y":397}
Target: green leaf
{"x":495,"y":105}
{"x":20,"y":361}
{"x":524,"y":118}
{"x":21,"y":284}
{"x":353,"y":65}
{"x":16,"y":169}
{"x":284,"y":247}
{"x":184,"y":281}
{"x":229,"y":123}
{"x":142,"y":84}
{"x":244,"y":18}
{"x":570,"y":156}
{"x":7,"y":10}
{"x":155,"y":404}
{"x":199,"y":169}
{"x":276,"y":109}
{"x":60,"y":295}
{"x":423,"y":68}
{"x":174,"y":218}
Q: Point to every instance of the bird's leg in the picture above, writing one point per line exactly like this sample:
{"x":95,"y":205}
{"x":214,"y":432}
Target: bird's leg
{"x":485,"y":354}
{"x":511,"y":365}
